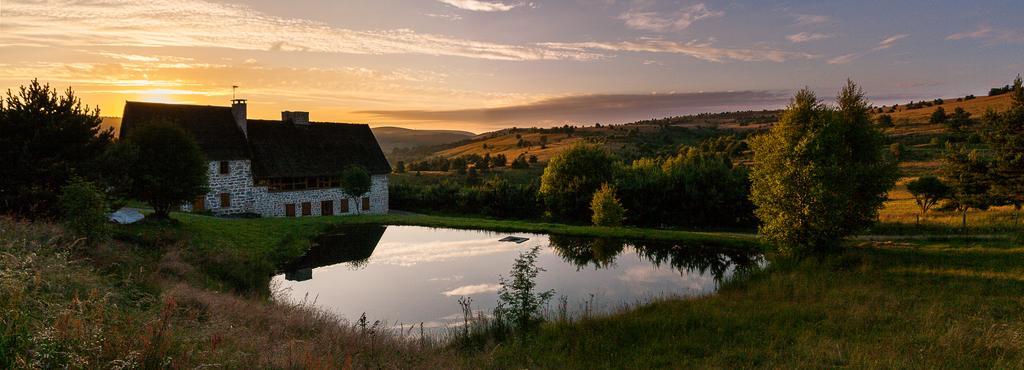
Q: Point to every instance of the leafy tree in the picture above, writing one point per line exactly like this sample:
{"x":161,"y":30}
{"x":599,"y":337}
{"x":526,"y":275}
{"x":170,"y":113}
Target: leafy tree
{"x":85,"y":210}
{"x":969,"y":179}
{"x":355,"y":181}
{"x":938,"y":116}
{"x":928,"y":191}
{"x":1004,"y":133}
{"x":820,"y":173}
{"x":164,"y":167}
{"x":606,"y":208}
{"x":570,"y":179}
{"x":45,"y":139}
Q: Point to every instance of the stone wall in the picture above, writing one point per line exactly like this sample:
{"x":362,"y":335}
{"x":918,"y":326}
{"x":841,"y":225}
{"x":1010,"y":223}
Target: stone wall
{"x":272,"y":204}
{"x":246,"y":198}
{"x":237,"y":183}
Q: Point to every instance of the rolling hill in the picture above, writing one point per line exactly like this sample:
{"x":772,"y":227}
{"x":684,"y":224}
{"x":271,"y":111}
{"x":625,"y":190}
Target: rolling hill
{"x":397,"y":137}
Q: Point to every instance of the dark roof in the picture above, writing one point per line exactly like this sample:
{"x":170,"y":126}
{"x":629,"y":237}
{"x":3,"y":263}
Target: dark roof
{"x":277,"y":149}
{"x":318,"y":149}
{"x":213,"y":127}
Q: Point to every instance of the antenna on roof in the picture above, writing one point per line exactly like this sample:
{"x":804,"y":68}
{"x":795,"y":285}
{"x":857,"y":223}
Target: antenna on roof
{"x":233,"y":89}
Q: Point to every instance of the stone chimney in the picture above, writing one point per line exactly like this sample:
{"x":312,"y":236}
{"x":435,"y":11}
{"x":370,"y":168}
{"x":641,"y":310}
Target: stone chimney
{"x":238,"y":110}
{"x":295,"y":118}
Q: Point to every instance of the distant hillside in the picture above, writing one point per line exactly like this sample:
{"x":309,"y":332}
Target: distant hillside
{"x":397,"y":137}
{"x":638,"y":138}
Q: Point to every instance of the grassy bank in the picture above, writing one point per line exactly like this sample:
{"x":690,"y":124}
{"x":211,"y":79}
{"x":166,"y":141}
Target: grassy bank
{"x":129,"y":305}
{"x":881,"y":305}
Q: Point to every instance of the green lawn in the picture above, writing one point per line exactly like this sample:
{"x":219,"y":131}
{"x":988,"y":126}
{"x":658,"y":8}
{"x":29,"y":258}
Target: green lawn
{"x":954,"y":304}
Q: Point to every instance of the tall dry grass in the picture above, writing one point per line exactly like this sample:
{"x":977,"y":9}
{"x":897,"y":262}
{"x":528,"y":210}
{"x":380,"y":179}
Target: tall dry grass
{"x":65,"y":307}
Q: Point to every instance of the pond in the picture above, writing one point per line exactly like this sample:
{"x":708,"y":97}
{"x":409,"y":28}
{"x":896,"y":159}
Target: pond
{"x":412,"y":275}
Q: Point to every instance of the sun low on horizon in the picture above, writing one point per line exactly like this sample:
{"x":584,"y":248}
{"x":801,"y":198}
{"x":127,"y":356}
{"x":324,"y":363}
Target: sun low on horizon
{"x":482,"y":65}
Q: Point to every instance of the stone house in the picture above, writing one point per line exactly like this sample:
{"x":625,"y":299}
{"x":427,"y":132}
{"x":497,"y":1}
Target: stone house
{"x":286,"y":168}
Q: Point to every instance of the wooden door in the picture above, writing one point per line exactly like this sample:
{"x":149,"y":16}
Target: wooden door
{"x":199,"y":204}
{"x":327,"y":208}
{"x":344,"y":206}
{"x":289,"y":210}
{"x":307,"y":208}
{"x":366,"y":204}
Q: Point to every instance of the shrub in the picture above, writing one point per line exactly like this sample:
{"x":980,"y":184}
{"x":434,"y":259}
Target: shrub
{"x":518,"y":302}
{"x":85,"y":210}
{"x":884,"y":121}
{"x":606,"y":208}
{"x":896,"y":149}
{"x":938,"y":116}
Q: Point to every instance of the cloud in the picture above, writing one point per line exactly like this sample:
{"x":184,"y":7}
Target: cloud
{"x":696,"y":49}
{"x":889,"y":42}
{"x":807,"y":36}
{"x":811,"y":19}
{"x":472,"y":289}
{"x":481,"y":6}
{"x":617,"y":108}
{"x":447,"y":17}
{"x":677,"y":21}
{"x":886,"y":43}
{"x":198,"y":23}
{"x":989,"y":34}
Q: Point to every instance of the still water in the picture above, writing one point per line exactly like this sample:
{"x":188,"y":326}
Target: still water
{"x":412,"y":275}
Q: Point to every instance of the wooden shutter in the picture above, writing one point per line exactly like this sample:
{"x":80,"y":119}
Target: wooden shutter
{"x":225,"y":200}
{"x":366,"y":204}
{"x":307,"y":208}
{"x":225,"y":168}
{"x":344,"y":206}
{"x":327,"y":208}
{"x":289,"y":210}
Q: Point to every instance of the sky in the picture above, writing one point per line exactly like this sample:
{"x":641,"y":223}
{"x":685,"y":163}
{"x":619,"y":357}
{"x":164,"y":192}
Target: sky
{"x":481,"y":65}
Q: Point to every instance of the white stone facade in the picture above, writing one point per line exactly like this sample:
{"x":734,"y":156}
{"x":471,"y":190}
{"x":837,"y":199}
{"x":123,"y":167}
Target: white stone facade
{"x":243,"y":197}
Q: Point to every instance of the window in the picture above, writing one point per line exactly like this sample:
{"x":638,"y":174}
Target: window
{"x":327,"y":208}
{"x":366,"y":204}
{"x":299,"y":183}
{"x":199,"y":204}
{"x":289,"y":210}
{"x":225,"y":167}
{"x":225,"y":200}
{"x":307,"y":209}
{"x":344,"y":206}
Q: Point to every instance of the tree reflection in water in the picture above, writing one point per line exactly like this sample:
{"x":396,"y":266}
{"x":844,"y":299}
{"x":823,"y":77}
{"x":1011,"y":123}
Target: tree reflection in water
{"x":702,"y":257}
{"x":352,"y":244}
